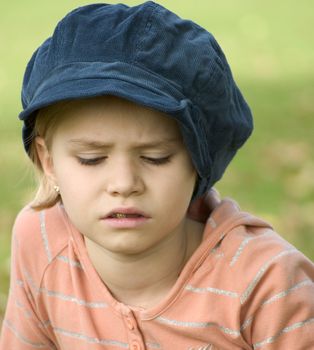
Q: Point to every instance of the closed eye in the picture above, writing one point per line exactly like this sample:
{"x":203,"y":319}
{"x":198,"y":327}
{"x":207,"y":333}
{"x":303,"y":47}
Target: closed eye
{"x":98,"y":160}
{"x":157,"y":161}
{"x":90,"y":161}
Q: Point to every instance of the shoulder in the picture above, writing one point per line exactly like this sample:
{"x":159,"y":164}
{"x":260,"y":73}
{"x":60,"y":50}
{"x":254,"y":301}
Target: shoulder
{"x":38,"y":237}
{"x":262,"y":285}
{"x":272,"y":278}
{"x":264,"y":260}
{"x":31,"y":227}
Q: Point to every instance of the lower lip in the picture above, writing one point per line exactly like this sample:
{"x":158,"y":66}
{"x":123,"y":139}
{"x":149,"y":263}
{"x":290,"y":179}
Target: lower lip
{"x":125,"y":222}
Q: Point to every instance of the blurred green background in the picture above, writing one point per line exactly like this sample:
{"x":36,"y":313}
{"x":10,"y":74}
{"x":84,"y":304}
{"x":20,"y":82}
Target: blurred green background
{"x":270,"y":47}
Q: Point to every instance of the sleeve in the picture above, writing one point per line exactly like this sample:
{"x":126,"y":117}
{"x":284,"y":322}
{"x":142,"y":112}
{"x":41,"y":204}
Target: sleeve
{"x":279,"y":303}
{"x":22,"y":328}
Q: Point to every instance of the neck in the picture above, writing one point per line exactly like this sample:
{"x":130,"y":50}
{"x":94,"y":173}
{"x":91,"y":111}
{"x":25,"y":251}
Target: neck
{"x":143,"y":279}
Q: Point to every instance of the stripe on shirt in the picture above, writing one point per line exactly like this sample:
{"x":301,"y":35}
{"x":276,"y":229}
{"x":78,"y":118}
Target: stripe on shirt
{"x":211,"y":222}
{"x":261,"y":272}
{"x":23,"y":309}
{"x":278,"y":296}
{"x":286,"y":292}
{"x":62,"y":296}
{"x":71,"y":262}
{"x":91,"y":340}
{"x":43,"y":230}
{"x":207,"y":347}
{"x":153,"y":345}
{"x":283,"y":331}
{"x":44,"y":235}
{"x":243,"y":245}
{"x":65,"y":297}
{"x":188,"y":324}
{"x":212,"y":290}
{"x":23,"y":339}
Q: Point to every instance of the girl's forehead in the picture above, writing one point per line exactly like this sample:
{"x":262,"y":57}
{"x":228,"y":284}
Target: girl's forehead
{"x":114,"y":115}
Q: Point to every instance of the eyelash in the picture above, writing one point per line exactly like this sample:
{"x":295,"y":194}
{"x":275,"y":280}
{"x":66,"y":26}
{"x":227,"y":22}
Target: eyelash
{"x":90,"y":161}
{"x":157,"y":161}
{"x":96,"y":161}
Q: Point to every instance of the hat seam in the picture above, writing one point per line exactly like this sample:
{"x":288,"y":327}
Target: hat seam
{"x":205,"y":155}
{"x":154,"y":8}
{"x":212,"y":79}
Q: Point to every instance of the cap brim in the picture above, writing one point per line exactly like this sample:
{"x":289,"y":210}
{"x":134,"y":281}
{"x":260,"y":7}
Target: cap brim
{"x":97,"y":79}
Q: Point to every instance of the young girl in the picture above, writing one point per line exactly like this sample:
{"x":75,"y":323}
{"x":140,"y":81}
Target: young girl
{"x":131,"y":115}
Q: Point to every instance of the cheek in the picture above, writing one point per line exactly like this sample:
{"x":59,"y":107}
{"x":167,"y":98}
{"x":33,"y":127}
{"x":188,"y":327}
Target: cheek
{"x":189,"y":176}
{"x":178,"y":189}
{"x":74,"y":184}
{"x":183,"y":176}
{"x":175,"y":204}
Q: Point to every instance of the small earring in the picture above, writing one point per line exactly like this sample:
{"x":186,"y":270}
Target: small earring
{"x":57,"y":189}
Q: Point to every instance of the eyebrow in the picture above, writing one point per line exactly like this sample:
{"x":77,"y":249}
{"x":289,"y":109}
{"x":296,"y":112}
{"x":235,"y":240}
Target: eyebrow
{"x":92,"y":144}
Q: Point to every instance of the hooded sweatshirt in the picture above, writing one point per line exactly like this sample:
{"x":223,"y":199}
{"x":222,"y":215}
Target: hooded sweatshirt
{"x":243,"y":288}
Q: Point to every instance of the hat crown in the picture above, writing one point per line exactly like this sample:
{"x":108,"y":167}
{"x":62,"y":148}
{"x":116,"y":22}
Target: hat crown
{"x":97,"y":33}
{"x":147,"y":35}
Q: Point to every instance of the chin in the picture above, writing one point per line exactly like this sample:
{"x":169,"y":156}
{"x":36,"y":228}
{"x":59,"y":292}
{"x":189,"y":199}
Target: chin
{"x":127,"y":250}
{"x":124,"y":245}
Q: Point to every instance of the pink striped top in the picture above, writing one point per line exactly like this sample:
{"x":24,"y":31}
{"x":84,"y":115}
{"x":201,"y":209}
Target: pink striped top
{"x":243,"y":288}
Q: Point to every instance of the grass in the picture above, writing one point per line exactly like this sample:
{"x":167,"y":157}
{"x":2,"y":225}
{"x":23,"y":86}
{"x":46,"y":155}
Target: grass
{"x":269,"y":47}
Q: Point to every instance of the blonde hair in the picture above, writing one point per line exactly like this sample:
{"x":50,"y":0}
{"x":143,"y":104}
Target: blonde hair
{"x":45,"y":125}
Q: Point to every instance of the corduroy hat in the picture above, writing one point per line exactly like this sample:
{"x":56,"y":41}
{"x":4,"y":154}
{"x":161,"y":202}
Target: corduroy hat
{"x":148,"y":55}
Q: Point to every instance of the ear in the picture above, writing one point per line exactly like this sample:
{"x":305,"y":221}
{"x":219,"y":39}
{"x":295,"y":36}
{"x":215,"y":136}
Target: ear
{"x":45,"y":158}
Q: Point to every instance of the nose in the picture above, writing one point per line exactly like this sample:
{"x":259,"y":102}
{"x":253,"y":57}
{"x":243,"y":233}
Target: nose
{"x":124,"y":178}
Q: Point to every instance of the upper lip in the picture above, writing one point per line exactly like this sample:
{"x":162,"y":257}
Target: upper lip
{"x":126,"y":211}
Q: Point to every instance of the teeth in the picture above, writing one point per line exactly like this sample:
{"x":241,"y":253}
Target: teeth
{"x":123,"y":216}
{"x":120,"y":215}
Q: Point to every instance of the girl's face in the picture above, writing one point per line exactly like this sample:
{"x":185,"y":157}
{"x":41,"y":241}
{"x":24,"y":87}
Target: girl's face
{"x":110,"y":156}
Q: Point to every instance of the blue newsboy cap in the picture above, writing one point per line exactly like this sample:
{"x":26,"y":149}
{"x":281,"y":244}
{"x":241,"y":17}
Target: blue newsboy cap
{"x":148,"y":55}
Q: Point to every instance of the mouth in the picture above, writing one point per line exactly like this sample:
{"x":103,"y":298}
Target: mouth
{"x":126,"y":213}
{"x":126,"y":218}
